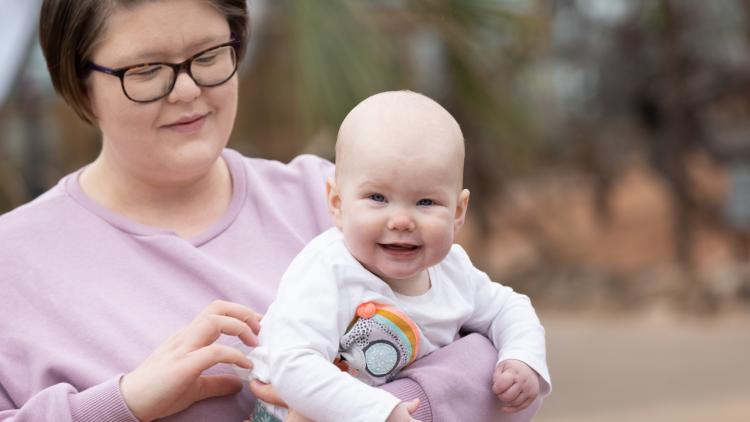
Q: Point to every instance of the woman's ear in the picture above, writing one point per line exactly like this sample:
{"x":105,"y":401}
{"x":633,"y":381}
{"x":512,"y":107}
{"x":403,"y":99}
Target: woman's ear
{"x":461,"y":206}
{"x":334,"y":201}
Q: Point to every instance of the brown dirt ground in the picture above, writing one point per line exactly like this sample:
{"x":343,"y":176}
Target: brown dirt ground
{"x":658,"y":366}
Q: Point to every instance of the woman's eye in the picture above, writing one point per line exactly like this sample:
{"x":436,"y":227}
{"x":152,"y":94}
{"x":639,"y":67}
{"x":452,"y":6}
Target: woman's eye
{"x":425,"y":202}
{"x":205,"y":59}
{"x":144,"y":72}
{"x":377,"y":197}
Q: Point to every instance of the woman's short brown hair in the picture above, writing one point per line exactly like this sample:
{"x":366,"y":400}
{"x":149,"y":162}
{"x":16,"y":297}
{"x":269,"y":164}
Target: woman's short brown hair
{"x":69,"y":30}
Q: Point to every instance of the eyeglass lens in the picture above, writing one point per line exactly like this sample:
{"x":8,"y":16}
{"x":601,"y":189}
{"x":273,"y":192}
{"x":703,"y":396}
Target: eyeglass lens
{"x":150,"y":82}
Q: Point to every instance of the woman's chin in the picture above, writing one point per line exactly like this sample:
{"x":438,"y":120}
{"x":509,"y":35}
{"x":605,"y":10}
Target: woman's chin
{"x":187,"y":162}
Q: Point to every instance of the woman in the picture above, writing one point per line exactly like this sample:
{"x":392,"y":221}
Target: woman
{"x":126,"y":252}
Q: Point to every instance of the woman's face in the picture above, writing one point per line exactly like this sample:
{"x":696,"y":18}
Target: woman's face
{"x":178,"y":138}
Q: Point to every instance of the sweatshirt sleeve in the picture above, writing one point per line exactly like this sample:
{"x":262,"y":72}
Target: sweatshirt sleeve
{"x":454,"y":384}
{"x":61,"y":402}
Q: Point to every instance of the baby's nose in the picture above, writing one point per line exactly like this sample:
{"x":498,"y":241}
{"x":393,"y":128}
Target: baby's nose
{"x":401,"y":222}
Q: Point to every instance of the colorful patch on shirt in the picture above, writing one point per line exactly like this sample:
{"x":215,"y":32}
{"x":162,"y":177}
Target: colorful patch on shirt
{"x":380,"y":341}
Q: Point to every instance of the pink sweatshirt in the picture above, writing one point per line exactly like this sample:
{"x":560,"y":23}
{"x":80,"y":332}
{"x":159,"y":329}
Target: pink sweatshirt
{"x":86,"y":295}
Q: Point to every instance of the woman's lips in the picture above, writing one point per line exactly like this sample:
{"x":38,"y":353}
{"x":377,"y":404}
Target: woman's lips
{"x":188,"y":125}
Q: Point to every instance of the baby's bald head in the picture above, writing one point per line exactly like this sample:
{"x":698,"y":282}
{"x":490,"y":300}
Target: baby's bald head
{"x":404,"y":126}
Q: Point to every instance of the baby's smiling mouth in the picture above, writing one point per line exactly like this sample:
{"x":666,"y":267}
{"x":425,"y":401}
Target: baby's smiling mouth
{"x":399,"y":247}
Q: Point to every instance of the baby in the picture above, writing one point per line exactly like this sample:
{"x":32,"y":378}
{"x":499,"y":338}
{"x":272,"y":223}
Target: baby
{"x":387,"y":285}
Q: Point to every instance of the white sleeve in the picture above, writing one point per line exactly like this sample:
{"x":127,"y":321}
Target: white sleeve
{"x":508,"y":319}
{"x":302,"y":331}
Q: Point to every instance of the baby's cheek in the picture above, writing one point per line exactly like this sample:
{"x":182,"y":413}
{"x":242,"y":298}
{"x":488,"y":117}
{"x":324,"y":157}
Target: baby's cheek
{"x":441,"y":239}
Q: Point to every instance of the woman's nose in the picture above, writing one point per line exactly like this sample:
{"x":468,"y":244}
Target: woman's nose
{"x":401,"y":222}
{"x":185,"y":88}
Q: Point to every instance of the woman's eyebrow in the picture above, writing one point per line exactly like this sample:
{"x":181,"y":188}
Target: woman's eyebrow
{"x":160,"y":54}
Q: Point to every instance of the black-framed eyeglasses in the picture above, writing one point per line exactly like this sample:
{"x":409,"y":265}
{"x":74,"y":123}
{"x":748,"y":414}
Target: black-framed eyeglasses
{"x":148,"y":82}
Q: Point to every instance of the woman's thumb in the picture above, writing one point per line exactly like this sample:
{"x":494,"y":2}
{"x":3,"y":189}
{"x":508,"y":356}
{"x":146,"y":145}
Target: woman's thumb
{"x":217,"y":385}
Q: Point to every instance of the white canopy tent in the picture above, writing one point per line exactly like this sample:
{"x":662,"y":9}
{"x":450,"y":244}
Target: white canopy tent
{"x":18,"y":22}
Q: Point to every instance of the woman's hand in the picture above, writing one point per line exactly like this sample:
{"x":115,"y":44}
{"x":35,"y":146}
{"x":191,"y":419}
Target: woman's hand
{"x":295,"y":416}
{"x":266,"y":392}
{"x":170,"y":379}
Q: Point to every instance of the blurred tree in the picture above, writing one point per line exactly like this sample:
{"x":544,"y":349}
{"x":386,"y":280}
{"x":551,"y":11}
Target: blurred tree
{"x":316,"y":60}
{"x":670,"y":68}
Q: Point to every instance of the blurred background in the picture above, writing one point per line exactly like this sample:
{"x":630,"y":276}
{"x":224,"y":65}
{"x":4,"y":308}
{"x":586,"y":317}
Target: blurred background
{"x":608,"y":155}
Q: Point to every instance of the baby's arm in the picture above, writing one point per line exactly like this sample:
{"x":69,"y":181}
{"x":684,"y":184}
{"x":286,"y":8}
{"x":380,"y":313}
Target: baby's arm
{"x":312,"y":385}
{"x":301,"y":333}
{"x":508,"y":319}
{"x":401,"y":413}
{"x":452,"y":384}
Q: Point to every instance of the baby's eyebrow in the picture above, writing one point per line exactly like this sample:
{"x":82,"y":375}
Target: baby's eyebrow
{"x":369,"y":184}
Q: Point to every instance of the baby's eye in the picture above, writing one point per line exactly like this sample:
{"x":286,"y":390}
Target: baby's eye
{"x":377,"y":197}
{"x":425,"y":202}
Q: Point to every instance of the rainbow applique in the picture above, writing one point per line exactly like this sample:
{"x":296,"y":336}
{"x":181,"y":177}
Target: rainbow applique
{"x":379,"y":342}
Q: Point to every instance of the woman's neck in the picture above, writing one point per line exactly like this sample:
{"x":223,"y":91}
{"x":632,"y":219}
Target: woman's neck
{"x":187,"y":207}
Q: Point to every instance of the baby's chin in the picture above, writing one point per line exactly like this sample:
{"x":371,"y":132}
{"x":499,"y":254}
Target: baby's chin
{"x":394,"y":273}
{"x":402,"y":279}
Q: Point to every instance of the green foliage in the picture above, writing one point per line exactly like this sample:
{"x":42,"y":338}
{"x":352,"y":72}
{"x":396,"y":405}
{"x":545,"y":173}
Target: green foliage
{"x":340,"y":58}
{"x":340,"y":52}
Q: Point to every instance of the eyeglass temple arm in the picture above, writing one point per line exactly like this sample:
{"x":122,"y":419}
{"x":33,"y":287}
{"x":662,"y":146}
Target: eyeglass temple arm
{"x":94,"y":66}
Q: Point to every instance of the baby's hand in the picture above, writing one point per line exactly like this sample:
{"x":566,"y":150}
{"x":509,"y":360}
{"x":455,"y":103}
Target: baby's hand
{"x":516,"y":385}
{"x":402,"y":412}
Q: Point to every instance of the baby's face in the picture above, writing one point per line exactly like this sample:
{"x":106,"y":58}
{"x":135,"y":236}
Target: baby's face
{"x":401,"y":201}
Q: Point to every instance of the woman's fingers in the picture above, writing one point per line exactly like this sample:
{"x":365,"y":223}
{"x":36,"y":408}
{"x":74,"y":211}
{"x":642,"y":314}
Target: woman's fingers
{"x":234,"y":310}
{"x":208,"y":356}
{"x":170,"y":379}
{"x":208,"y":327}
{"x":295,"y":416}
{"x":222,"y":317}
{"x":266,"y":392}
{"x":208,"y":386}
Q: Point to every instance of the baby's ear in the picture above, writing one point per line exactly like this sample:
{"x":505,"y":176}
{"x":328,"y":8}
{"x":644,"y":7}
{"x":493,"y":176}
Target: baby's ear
{"x":461,"y":206}
{"x":334,"y":201}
